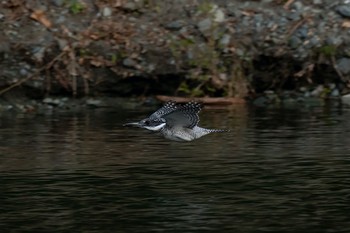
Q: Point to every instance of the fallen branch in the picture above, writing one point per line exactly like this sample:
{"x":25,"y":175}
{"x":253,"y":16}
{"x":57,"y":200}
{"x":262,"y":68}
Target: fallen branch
{"x":204,"y":100}
{"x":47,"y":66}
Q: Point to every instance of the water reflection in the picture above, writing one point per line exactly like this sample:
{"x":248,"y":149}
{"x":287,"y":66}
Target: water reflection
{"x":279,"y":170}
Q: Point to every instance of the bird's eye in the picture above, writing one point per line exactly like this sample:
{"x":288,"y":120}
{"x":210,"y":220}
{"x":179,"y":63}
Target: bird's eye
{"x":146,"y":122}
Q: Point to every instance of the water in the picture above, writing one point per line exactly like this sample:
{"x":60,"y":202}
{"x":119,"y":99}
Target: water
{"x":281,"y":170}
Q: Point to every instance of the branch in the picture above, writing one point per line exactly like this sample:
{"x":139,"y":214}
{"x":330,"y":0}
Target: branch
{"x":47,"y":66}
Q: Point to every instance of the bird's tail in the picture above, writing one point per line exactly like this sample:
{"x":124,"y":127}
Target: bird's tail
{"x":218,"y":130}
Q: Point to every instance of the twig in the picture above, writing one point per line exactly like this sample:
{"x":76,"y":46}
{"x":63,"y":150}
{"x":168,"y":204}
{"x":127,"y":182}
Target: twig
{"x":47,"y":66}
{"x":296,"y":26}
{"x":287,"y":4}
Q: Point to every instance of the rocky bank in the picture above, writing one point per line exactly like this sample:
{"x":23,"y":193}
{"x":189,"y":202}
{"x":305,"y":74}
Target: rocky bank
{"x":246,"y":49}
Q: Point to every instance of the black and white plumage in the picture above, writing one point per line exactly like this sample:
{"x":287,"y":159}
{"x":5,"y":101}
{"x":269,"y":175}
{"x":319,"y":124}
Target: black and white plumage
{"x":176,"y":122}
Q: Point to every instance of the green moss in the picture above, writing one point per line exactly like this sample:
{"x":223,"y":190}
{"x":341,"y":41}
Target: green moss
{"x":75,"y":6}
{"x":328,"y":50}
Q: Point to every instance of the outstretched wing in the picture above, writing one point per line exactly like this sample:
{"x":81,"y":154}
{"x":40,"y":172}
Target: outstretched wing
{"x":184,"y":115}
{"x":167,"y":108}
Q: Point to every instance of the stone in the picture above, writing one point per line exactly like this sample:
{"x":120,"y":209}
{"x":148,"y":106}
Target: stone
{"x":128,"y":62}
{"x":94,"y":102}
{"x":334,"y":40}
{"x":346,"y":99}
{"x":298,"y":6}
{"x":294,"y":42}
{"x":317,"y":2}
{"x":204,"y":24}
{"x":131,"y":6}
{"x":343,"y":10}
{"x":225,"y":40}
{"x":107,"y":12}
{"x":343,"y":65}
{"x":175,"y":25}
{"x":58,"y":2}
{"x":219,"y":15}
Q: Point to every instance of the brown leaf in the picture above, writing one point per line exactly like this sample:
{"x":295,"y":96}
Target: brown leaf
{"x":40,"y":16}
{"x":346,"y":24}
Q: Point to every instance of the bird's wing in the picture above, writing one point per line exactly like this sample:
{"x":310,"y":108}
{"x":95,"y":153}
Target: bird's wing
{"x":167,"y":108}
{"x":184,"y":115}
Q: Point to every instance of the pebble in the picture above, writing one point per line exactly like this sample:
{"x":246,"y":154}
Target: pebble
{"x":107,"y":12}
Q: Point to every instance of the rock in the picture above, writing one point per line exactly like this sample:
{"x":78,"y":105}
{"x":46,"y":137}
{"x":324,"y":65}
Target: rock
{"x":204,"y":25}
{"x":318,"y":91}
{"x":219,"y":15}
{"x":334,"y":40}
{"x":262,"y":101}
{"x":130,"y":6}
{"x":94,"y":103}
{"x":298,"y":6}
{"x":343,"y":65}
{"x":317,"y":2}
{"x":107,"y":12}
{"x":175,"y":25}
{"x":130,"y":63}
{"x":294,"y":42}
{"x":225,"y":40}
{"x":51,"y":101}
{"x":346,"y":99}
{"x":293,"y":16}
{"x":343,"y":10}
{"x":58,"y":2}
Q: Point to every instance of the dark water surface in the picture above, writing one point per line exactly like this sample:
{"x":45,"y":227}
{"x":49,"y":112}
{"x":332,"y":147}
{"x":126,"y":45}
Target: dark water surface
{"x":282,"y":170}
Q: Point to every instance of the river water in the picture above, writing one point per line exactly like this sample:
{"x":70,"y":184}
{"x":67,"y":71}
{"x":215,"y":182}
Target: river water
{"x":278,"y":170}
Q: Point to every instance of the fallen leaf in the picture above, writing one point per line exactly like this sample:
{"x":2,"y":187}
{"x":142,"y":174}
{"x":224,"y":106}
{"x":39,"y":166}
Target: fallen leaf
{"x":346,"y":24}
{"x":39,"y":15}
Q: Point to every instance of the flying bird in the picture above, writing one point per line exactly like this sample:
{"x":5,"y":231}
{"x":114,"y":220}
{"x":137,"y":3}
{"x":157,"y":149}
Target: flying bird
{"x":177,"y":122}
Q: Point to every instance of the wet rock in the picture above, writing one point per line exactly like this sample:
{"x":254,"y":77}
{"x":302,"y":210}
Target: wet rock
{"x":94,"y":102}
{"x":51,"y":101}
{"x":346,"y":99}
{"x":317,"y":91}
{"x":262,"y":101}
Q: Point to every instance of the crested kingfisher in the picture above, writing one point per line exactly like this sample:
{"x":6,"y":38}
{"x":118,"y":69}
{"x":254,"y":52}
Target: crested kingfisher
{"x":177,"y":122}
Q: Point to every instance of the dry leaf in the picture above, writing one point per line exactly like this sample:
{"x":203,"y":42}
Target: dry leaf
{"x":346,"y":24}
{"x":40,"y":16}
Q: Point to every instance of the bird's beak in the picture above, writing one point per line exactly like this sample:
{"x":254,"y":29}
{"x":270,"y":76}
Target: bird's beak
{"x":135,"y":124}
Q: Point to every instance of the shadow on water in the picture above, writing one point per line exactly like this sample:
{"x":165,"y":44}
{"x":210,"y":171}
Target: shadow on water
{"x":279,"y":170}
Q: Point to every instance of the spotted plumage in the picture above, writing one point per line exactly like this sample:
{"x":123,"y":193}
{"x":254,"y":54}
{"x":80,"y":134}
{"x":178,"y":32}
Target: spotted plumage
{"x":176,"y":122}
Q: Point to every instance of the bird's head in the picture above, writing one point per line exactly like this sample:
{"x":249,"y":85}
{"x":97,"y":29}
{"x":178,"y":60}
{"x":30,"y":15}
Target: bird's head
{"x":150,"y":124}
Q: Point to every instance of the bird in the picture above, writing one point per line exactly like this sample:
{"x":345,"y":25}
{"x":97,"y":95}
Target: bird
{"x":176,"y":122}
